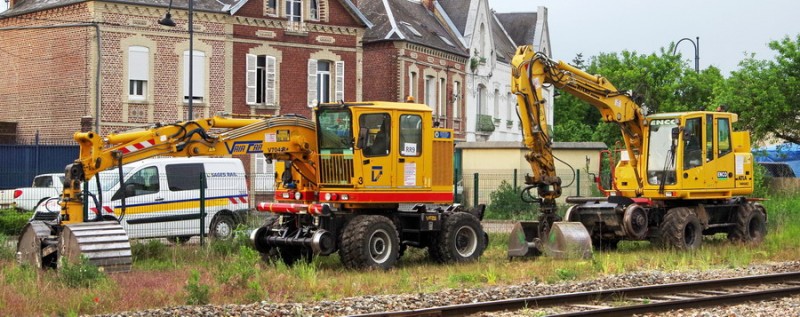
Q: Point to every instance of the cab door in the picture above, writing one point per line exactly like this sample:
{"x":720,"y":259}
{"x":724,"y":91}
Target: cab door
{"x":724,"y":164}
{"x":693,"y":162}
{"x":410,"y":166}
{"x":375,"y":150}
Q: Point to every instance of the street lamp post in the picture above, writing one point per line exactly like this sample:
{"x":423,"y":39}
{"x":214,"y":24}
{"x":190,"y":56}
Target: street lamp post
{"x":167,"y":21}
{"x":696,"y":51}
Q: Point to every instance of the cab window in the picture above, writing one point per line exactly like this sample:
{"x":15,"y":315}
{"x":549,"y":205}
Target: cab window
{"x":378,"y":132}
{"x":724,"y":136}
{"x":410,"y":135}
{"x":692,"y":146}
{"x":143,"y":182}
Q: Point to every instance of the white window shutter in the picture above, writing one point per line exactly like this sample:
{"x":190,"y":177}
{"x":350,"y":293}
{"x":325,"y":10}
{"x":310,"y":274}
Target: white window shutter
{"x":252,"y":62}
{"x":312,"y":82}
{"x":199,"y":83}
{"x":270,"y":84}
{"x":138,"y":63}
{"x":339,"y":96}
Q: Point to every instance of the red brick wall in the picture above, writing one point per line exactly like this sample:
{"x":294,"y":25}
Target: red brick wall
{"x":380,"y":72}
{"x":44,"y":74}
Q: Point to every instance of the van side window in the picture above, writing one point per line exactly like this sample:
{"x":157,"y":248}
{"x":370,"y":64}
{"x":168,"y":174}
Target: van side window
{"x":185,"y":176}
{"x":143,"y":182}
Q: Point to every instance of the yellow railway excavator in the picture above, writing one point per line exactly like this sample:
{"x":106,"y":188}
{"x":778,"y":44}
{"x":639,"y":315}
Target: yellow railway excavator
{"x":681,"y":175}
{"x":365,"y":179}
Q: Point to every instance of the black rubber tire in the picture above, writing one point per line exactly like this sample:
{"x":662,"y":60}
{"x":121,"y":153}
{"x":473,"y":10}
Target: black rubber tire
{"x":222,"y":228}
{"x":681,"y":229}
{"x":461,"y":240}
{"x":369,"y":241}
{"x":751,"y":225}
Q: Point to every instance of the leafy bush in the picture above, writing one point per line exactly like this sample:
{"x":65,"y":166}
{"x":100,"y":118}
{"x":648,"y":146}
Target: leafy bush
{"x":12,"y":221}
{"x":81,"y":274}
{"x":505,"y":203}
{"x":231,"y":246}
{"x":196,"y":293}
{"x":150,"y":250}
{"x":239,"y":271}
{"x":760,"y":181}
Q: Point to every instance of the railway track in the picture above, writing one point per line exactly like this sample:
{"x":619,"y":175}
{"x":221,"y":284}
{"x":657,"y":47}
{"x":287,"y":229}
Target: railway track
{"x":633,"y":300}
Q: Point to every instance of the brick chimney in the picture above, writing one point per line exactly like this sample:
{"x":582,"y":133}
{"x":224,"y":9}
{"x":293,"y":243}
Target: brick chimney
{"x":428,"y":4}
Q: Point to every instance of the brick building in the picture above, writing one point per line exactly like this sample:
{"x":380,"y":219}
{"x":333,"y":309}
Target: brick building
{"x":110,"y":65}
{"x":409,"y":52}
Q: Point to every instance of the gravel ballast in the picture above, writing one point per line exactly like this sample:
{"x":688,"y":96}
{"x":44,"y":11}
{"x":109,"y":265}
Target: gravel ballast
{"x":367,"y":304}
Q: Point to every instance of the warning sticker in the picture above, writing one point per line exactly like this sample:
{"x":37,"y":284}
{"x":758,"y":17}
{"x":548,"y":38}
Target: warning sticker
{"x":410,"y":174}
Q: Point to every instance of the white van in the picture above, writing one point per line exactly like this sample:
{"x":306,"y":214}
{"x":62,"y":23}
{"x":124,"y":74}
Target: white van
{"x":162,"y":197}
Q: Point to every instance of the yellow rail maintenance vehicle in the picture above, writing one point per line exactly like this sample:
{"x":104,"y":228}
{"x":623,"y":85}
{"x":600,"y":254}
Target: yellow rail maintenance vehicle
{"x":681,"y":175}
{"x":365,"y":179}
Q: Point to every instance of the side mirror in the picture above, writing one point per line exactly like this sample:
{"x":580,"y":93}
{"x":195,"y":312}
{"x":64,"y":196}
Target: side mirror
{"x":676,"y":132}
{"x":362,"y":138}
{"x":130,"y":190}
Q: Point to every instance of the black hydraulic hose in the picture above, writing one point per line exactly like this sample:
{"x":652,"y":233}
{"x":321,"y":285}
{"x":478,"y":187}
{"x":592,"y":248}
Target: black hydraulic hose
{"x":99,"y":190}
{"x":122,"y":188}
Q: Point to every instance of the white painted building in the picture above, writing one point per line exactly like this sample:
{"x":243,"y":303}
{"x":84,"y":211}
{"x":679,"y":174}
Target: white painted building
{"x":491,"y":39}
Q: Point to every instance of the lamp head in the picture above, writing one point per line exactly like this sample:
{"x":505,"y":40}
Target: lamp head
{"x":167,"y":20}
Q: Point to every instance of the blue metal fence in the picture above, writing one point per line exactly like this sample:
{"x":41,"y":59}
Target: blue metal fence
{"x":19,"y":163}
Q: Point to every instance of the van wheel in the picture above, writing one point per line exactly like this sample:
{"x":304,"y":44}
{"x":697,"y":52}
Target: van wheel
{"x":222,"y":227}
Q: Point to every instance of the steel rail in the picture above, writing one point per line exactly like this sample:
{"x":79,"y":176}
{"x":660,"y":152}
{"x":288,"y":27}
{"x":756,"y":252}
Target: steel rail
{"x":590,"y":296}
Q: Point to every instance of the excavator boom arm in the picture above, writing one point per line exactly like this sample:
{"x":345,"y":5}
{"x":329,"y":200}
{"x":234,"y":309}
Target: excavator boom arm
{"x":530,"y":71}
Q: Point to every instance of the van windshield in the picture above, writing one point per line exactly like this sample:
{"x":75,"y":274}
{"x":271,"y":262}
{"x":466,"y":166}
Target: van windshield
{"x":108,"y":179}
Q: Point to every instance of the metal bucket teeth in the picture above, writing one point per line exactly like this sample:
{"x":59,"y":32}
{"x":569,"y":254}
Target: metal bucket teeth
{"x":105,"y":244}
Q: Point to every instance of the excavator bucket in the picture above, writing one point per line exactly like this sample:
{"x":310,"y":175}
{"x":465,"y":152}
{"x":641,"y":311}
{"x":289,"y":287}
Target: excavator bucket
{"x":36,"y":245}
{"x":104,"y":243}
{"x":566,"y":240}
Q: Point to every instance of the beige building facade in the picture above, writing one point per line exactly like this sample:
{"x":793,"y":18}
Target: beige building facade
{"x":495,"y":162}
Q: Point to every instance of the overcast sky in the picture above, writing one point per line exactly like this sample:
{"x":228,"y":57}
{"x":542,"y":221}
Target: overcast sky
{"x":727,"y":28}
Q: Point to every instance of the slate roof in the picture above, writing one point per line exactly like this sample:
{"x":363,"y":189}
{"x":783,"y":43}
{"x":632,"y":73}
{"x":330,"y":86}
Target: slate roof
{"x":457,"y":10}
{"x":503,"y":45}
{"x":409,"y":21}
{"x":519,"y":26}
{"x":216,"y":6}
{"x":27,"y":6}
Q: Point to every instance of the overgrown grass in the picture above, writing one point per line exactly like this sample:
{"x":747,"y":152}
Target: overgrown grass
{"x":227,"y":272}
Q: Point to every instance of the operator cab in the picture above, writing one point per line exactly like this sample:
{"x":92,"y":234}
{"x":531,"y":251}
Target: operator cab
{"x":383,"y":149}
{"x":697,"y":151}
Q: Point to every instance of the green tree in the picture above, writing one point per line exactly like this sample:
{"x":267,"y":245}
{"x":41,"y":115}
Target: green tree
{"x":659,"y":82}
{"x":766,"y":93}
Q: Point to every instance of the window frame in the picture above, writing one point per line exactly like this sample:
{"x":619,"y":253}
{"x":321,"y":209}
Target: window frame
{"x":138,"y":72}
{"x":291,"y":6}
